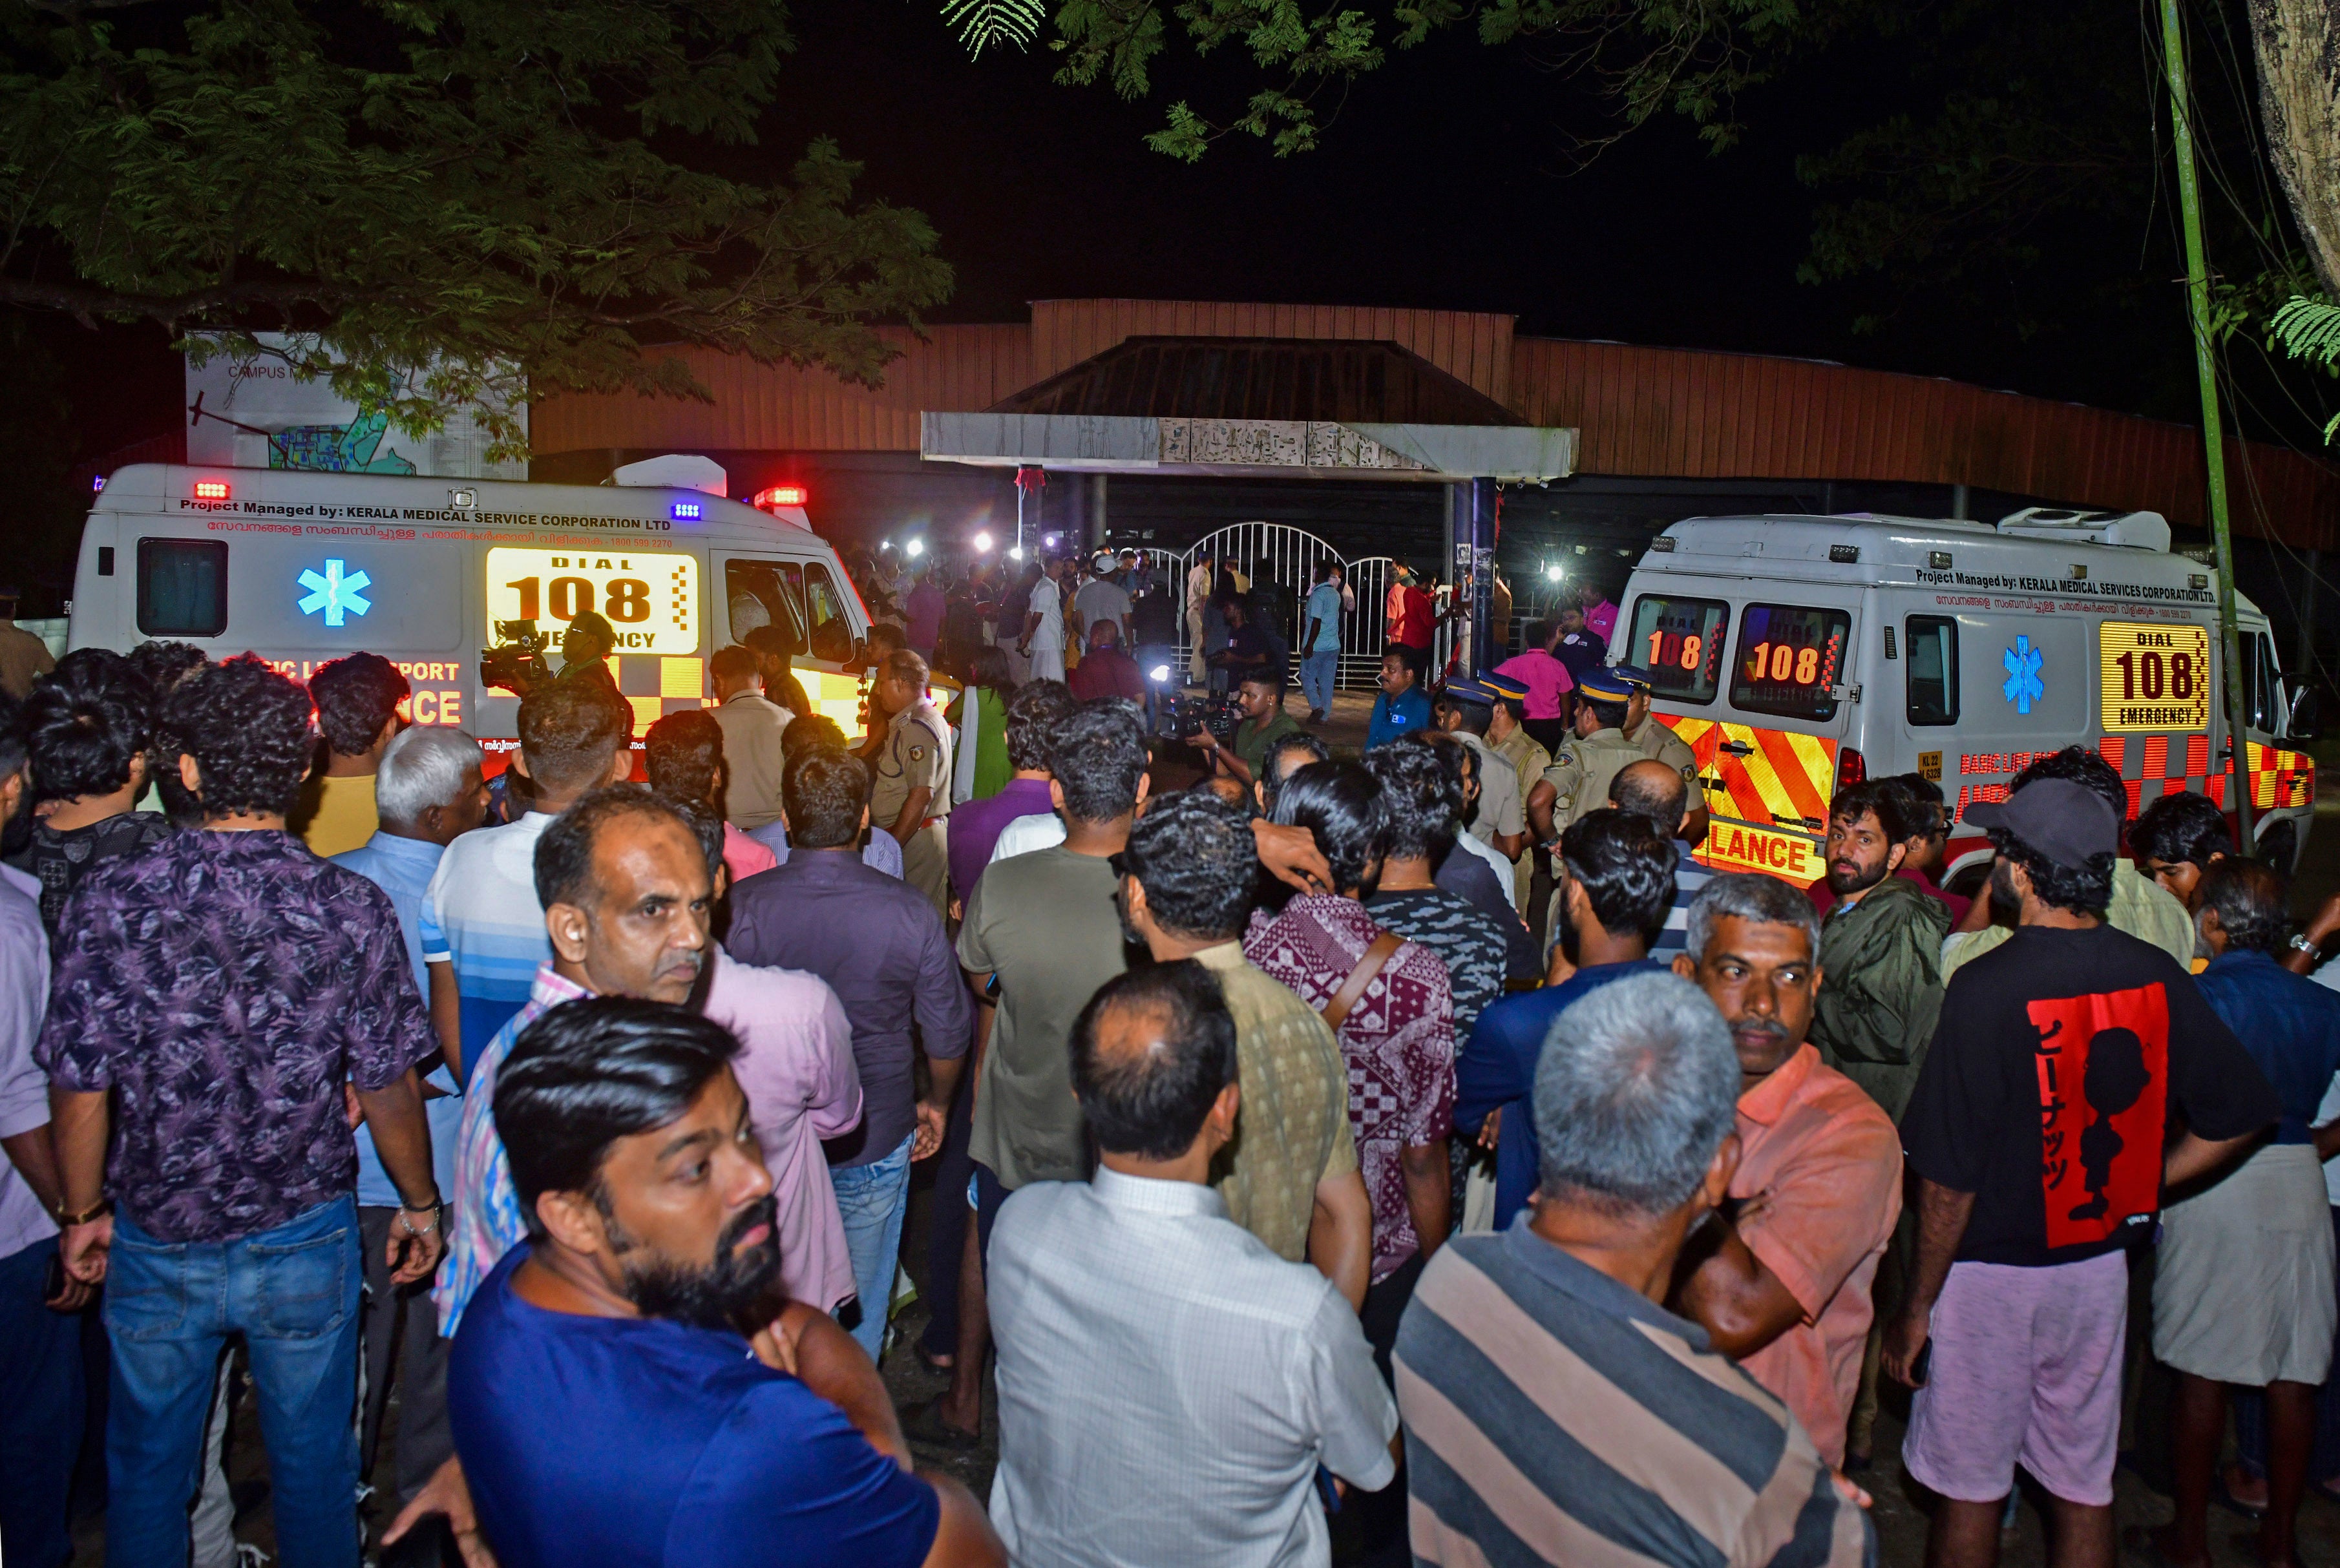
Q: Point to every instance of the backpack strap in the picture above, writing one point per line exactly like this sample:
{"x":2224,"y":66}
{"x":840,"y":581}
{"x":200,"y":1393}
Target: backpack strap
{"x":1377,"y":953}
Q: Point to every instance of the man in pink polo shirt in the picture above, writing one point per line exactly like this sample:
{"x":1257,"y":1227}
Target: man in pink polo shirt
{"x":1548,"y":683}
{"x":1784,"y":1285}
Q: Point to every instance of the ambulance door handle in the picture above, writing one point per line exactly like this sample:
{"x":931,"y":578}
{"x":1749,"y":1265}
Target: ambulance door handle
{"x":1737,"y":748}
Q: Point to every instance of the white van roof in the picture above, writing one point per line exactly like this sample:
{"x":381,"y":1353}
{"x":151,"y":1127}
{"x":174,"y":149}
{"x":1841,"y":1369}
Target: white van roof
{"x":681,"y":514}
{"x":2028,"y":553}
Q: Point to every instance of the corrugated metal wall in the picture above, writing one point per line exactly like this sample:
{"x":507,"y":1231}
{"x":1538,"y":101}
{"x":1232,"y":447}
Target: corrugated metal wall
{"x":1653,"y":412}
{"x":1682,"y":413}
{"x":780,"y":408}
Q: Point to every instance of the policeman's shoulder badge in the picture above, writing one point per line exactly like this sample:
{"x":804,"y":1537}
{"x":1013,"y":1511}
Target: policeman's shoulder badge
{"x":1563,"y":759}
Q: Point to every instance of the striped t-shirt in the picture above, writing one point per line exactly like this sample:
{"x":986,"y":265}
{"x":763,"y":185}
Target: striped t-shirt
{"x":480,"y":915}
{"x":1688,"y":877}
{"x":1554,"y":1415}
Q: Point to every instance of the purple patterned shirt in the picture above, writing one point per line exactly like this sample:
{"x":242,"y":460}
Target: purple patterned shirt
{"x":224,"y":985}
{"x":1398,"y":1042}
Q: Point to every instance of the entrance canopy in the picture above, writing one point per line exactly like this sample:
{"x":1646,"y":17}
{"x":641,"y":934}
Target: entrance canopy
{"x":1269,"y":448}
{"x":1263,"y":407}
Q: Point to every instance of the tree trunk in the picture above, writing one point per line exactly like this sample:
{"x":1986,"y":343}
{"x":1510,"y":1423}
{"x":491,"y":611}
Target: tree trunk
{"x":2298,"y":42}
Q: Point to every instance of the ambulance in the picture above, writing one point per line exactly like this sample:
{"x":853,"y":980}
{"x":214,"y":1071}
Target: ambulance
{"x":301,"y":568}
{"x":1797,"y":656}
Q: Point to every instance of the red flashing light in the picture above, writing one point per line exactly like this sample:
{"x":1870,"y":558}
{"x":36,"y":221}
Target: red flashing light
{"x":782,"y":496}
{"x":211,"y":490}
{"x":1851,"y":768}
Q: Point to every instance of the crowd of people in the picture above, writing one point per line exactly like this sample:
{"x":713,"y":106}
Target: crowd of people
{"x":562,"y":1116}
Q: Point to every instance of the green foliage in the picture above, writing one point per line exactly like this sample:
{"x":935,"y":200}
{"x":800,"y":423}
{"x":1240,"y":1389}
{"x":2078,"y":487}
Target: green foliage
{"x":983,"y":22}
{"x":2308,"y":328}
{"x":1647,"y":57}
{"x":447,"y":201}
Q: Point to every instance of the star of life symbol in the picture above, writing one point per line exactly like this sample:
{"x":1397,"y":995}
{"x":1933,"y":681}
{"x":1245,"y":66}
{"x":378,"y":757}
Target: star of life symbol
{"x":2023,"y":686}
{"x":336,"y":594}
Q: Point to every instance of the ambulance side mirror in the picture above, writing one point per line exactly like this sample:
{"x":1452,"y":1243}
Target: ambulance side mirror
{"x":2303,"y":723}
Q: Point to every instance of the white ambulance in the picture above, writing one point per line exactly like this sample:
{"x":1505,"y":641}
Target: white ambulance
{"x":301,"y":568}
{"x":1799,"y":654}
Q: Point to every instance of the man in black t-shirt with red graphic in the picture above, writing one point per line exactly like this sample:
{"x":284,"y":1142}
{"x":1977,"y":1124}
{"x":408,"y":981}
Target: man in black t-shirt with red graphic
{"x":2042,"y":1130}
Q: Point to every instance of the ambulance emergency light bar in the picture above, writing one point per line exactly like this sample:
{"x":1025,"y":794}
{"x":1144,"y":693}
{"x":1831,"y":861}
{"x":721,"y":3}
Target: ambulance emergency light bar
{"x":211,"y":490}
{"x":781,"y":495}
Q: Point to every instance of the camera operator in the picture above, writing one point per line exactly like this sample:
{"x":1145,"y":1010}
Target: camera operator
{"x":1264,"y":722}
{"x":585,"y":649}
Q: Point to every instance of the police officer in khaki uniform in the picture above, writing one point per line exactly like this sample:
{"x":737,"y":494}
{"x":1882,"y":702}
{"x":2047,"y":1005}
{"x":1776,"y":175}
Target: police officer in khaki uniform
{"x":911,"y":762}
{"x":1660,"y":744}
{"x":1508,"y":738}
{"x":1581,"y":769}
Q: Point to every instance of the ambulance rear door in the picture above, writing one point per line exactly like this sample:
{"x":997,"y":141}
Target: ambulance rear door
{"x":1762,"y":715}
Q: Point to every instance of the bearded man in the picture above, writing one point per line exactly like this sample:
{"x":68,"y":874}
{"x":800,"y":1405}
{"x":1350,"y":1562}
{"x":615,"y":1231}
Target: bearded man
{"x":1881,"y":947}
{"x":626,"y":1386}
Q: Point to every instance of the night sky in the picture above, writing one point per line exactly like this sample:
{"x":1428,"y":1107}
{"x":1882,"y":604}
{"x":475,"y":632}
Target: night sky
{"x":1442,"y":183}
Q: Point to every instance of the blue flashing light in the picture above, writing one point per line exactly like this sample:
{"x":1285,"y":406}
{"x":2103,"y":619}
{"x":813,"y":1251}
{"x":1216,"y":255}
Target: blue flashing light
{"x":688,"y":512}
{"x":96,"y":483}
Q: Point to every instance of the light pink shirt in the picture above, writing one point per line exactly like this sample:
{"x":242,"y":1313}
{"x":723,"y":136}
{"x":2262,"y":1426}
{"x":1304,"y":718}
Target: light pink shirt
{"x":1546,"y":678}
{"x":795,"y":1068}
{"x":743,"y":857}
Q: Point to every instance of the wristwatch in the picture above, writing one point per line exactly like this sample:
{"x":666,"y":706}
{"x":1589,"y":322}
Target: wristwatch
{"x":2299,"y":939}
{"x":97,"y":1210}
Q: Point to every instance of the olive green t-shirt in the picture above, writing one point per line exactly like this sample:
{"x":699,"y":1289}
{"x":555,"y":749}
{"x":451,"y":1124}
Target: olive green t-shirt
{"x":1252,"y":740}
{"x":1047,"y":925}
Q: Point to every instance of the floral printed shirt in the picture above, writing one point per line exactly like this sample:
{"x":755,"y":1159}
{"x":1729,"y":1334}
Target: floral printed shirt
{"x":224,"y":985}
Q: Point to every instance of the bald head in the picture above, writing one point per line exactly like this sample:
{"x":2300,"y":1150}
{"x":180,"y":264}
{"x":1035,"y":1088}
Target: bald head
{"x":1651,"y":789}
{"x":1152,"y":1052}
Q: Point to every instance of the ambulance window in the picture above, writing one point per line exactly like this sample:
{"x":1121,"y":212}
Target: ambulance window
{"x":182,"y":587}
{"x":832,"y":634}
{"x":1680,"y":643}
{"x":1790,"y":655}
{"x":1933,"y":670}
{"x":2262,"y":687}
{"x":765,"y":594}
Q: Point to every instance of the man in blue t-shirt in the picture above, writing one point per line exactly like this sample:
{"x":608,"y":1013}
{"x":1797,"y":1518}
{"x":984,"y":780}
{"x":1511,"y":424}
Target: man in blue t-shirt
{"x":606,"y":1409}
{"x":1402,"y":706}
{"x":1319,"y":641}
{"x":1617,"y":873}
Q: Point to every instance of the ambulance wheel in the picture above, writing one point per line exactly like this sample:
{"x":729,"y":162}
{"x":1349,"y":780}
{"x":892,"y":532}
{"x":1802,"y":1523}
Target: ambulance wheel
{"x":2279,"y":846}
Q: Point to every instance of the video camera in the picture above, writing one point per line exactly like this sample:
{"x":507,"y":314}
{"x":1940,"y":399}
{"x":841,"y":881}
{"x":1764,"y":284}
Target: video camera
{"x":1185,"y":717}
{"x":516,"y":664}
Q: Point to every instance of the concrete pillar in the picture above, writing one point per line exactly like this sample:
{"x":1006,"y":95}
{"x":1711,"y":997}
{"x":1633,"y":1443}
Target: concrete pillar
{"x":1097,"y":518}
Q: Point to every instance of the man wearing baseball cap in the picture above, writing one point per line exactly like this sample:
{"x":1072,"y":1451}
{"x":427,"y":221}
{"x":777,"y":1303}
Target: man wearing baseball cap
{"x":2038,"y":1132}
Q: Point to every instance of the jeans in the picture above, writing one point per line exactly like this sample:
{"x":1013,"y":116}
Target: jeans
{"x":870,"y":1200}
{"x":1317,"y":673}
{"x":291,"y":1292}
{"x":40,"y":1411}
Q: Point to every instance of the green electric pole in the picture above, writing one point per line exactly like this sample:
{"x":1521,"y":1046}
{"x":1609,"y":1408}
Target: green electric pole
{"x":2214,"y":445}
